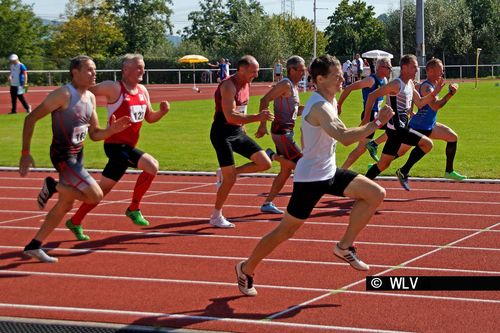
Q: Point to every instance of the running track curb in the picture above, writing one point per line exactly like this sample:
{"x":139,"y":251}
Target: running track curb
{"x":266,"y":175}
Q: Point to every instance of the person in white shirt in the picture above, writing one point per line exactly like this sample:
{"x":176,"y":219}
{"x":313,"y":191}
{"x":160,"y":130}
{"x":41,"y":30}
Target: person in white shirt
{"x":316,"y":173}
{"x":18,"y":79}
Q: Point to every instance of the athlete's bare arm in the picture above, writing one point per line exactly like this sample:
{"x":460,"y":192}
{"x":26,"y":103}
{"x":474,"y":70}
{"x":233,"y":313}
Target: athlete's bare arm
{"x":323,"y":115}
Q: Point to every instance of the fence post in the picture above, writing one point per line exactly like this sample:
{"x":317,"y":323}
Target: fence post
{"x":147,"y":77}
{"x":461,"y":79}
{"x":114,"y":75}
{"x":50,"y":79}
{"x":179,"y":72}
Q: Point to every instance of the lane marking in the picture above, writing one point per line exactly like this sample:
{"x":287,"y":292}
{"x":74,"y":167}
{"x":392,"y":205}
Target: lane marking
{"x":233,"y":285}
{"x":333,"y":292}
{"x":159,"y":315}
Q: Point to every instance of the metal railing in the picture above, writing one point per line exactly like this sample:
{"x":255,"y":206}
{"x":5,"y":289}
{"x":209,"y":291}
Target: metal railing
{"x":184,"y":75}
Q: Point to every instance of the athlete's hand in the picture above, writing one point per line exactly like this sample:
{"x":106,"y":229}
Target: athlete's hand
{"x":385,"y":114}
{"x":266,"y":115}
{"x":119,"y":125}
{"x":452,"y":88}
{"x":164,"y":107}
{"x":261,"y":131}
{"x":438,"y":86}
{"x":25,"y":163}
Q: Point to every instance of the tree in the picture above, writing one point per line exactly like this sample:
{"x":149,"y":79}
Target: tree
{"x":144,"y":23}
{"x":354,"y":28}
{"x":207,"y":25}
{"x":447,"y":24}
{"x":21,"y":32}
{"x":485,"y":16}
{"x":90,"y":30}
{"x":300,"y":37}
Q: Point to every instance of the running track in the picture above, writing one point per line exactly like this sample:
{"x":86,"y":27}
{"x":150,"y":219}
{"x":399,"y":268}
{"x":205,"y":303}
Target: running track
{"x":179,"y":272}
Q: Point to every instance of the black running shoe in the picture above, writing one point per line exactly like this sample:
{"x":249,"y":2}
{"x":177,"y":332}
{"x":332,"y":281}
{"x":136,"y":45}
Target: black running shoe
{"x":47,"y":191}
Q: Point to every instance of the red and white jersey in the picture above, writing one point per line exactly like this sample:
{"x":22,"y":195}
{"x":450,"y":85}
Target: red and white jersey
{"x":133,"y":106}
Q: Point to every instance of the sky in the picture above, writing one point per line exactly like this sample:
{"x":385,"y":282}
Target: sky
{"x":51,"y":9}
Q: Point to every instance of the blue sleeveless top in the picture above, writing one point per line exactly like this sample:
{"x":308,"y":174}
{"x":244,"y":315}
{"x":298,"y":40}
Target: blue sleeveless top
{"x":425,"y":118}
{"x":366,"y":91}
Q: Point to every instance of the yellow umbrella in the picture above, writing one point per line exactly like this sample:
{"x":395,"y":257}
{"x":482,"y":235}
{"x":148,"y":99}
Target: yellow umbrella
{"x":193,"y":59}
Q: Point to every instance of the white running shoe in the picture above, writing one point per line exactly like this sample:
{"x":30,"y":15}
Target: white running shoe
{"x":245,"y":282}
{"x":40,"y":255}
{"x":218,"y":174}
{"x":221,"y":222}
{"x":350,"y":256}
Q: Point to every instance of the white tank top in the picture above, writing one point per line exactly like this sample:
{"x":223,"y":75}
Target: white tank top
{"x":318,"y":148}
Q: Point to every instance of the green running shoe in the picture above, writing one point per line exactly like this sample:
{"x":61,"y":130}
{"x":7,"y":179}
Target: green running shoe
{"x":454,"y":176}
{"x":77,"y":230}
{"x":136,"y":217}
{"x":371,"y":146}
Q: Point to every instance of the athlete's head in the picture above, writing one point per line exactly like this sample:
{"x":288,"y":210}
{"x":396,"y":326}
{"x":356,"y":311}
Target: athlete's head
{"x":248,"y":68}
{"x":132,"y":67}
{"x":434,"y":69}
{"x":82,"y":71}
{"x":295,"y":67}
{"x":409,"y":66}
{"x":383,"y":67}
{"x":326,"y":73}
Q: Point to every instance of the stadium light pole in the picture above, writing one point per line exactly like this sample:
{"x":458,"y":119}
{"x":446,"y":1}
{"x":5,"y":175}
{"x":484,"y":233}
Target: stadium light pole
{"x":401,"y":27}
{"x":478,"y":50}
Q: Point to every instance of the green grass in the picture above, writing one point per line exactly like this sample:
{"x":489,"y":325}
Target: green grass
{"x":180,"y":141}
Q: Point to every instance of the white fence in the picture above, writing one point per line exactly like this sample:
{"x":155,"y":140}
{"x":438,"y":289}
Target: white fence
{"x":182,"y":76}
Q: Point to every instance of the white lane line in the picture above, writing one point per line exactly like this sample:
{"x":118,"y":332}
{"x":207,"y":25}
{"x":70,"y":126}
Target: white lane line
{"x":236,"y":259}
{"x":290,"y":186}
{"x":233,"y":285}
{"x":332,"y":224}
{"x":149,"y":195}
{"x":342,"y":289}
{"x":156,"y":234}
{"x":160,"y":315}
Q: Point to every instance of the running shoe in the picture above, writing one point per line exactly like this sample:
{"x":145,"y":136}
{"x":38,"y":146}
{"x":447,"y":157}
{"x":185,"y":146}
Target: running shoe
{"x":269,"y":207}
{"x":77,"y":230}
{"x":349,"y":255}
{"x":136,"y":217}
{"x":270,"y":153}
{"x":403,"y":179}
{"x":40,"y":255}
{"x":218,"y":174}
{"x":371,"y":146}
{"x":454,"y":176}
{"x":47,"y":191}
{"x":245,"y":282}
{"x":221,"y":222}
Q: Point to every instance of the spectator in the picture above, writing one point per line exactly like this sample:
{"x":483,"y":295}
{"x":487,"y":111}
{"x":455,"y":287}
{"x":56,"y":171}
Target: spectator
{"x":18,"y":79}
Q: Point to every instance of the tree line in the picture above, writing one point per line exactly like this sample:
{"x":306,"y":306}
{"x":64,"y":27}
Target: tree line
{"x":106,"y":29}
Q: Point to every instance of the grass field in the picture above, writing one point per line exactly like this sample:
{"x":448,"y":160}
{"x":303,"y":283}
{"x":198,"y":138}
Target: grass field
{"x":180,"y":141}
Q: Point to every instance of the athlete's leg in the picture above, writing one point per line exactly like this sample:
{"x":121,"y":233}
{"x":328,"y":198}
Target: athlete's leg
{"x":355,"y":154}
{"x":150,"y":167}
{"x":368,"y":196}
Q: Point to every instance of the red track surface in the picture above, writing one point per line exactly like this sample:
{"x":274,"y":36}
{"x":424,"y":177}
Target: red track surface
{"x":179,"y":272}
{"x":160,"y":92}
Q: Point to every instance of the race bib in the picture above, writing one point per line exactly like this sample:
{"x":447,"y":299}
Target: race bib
{"x":79,"y":134}
{"x":241,"y":109}
{"x":137,"y":113}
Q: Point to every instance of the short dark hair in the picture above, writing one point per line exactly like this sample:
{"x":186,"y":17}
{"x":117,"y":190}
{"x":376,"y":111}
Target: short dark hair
{"x":406,"y":59}
{"x":76,"y":63}
{"x":321,"y":65}
{"x":433,"y":63}
{"x":244,"y":61}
